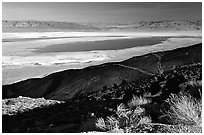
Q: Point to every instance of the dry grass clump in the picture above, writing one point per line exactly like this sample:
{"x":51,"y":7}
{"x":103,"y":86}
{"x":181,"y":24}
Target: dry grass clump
{"x":185,"y":113}
{"x":185,"y":110}
{"x":137,"y":101}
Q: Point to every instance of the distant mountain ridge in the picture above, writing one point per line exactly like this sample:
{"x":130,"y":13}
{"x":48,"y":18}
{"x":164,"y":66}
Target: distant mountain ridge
{"x":31,"y":25}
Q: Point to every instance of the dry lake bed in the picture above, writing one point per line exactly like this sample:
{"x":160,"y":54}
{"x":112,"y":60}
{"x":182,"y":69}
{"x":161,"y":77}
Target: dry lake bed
{"x":36,"y":54}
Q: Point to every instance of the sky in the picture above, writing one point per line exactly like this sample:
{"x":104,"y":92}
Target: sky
{"x":101,"y":11}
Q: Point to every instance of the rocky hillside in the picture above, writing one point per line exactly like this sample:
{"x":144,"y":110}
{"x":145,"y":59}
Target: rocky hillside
{"x":39,"y":26}
{"x":82,"y":112}
{"x":67,"y":84}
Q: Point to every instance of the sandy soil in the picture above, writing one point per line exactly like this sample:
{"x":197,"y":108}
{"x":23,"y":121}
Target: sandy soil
{"x":20,"y":62}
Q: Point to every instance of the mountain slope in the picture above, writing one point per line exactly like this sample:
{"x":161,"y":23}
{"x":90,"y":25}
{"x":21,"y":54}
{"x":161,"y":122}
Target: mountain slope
{"x":66,"y":84}
{"x":80,"y":114}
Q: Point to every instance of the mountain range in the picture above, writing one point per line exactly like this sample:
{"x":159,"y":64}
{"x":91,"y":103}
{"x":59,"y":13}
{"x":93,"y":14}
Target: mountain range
{"x":39,"y":26}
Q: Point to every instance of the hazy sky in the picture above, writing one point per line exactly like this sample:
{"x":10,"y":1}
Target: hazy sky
{"x":100,"y":12}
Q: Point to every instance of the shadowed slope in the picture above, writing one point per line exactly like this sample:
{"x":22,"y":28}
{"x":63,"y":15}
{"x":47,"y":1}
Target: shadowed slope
{"x":80,"y":114}
{"x":64,"y":85}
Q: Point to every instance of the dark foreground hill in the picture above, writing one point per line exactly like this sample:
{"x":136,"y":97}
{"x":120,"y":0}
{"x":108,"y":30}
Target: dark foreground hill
{"x":82,"y":112}
{"x":67,"y":84}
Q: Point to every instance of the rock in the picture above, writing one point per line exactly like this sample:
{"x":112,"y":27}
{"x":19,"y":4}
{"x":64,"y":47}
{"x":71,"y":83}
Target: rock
{"x":22,"y":104}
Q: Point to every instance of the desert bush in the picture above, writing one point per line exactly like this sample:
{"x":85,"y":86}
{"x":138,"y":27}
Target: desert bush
{"x":101,"y":124}
{"x":185,"y":110}
{"x":125,"y":120}
{"x":137,"y":101}
{"x":111,"y":123}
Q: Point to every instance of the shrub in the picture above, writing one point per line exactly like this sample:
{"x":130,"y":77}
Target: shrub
{"x":137,"y":101}
{"x":125,"y":121}
{"x":185,"y":110}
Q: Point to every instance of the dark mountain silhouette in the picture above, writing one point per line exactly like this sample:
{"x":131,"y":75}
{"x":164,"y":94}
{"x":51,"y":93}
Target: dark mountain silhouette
{"x":67,"y":84}
{"x":80,"y":113}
